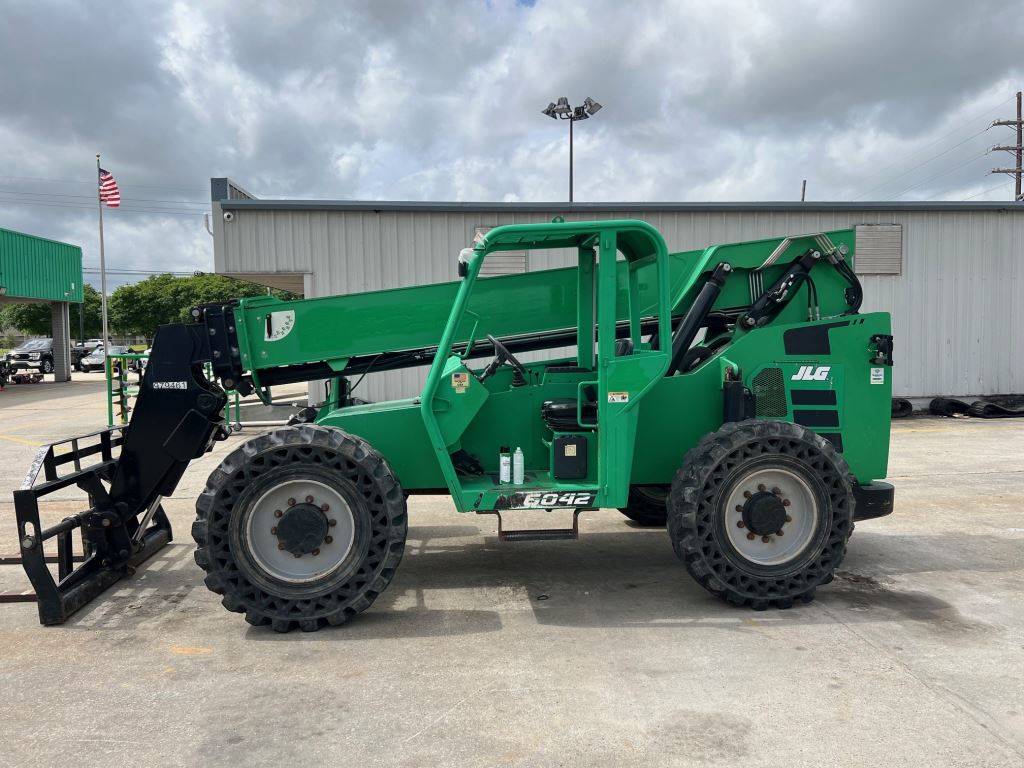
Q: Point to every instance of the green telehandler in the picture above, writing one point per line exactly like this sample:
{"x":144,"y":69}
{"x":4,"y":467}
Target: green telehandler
{"x":734,"y":395}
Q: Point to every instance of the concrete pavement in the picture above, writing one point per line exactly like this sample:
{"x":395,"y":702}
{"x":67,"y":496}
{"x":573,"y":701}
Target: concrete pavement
{"x":600,"y":652}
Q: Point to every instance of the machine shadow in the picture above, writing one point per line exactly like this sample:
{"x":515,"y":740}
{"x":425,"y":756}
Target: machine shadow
{"x":607,"y":579}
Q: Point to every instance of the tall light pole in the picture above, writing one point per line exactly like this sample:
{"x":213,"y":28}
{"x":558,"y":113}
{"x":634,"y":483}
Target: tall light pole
{"x":561,"y":110}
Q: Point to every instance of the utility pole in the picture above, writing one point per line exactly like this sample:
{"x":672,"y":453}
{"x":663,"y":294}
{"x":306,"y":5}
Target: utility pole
{"x":1017,"y":149}
{"x":803,"y":191}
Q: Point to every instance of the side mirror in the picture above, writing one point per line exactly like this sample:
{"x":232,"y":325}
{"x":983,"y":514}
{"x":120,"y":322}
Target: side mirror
{"x":464,"y":256}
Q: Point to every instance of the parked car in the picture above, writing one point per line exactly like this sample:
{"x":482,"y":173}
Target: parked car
{"x":97,"y":358}
{"x":138,"y":365}
{"x":34,"y":353}
{"x":82,"y":350}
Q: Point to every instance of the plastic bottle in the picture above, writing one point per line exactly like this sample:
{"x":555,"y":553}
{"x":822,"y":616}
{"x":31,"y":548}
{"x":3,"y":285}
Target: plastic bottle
{"x":504,"y":465}
{"x":518,"y":467}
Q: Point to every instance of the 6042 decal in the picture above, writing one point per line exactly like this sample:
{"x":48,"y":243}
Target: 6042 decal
{"x":541,"y":499}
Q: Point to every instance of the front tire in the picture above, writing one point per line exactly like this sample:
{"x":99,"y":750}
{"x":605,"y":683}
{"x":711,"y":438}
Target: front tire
{"x":301,"y":527}
{"x":760,"y":513}
{"x":47,"y":366}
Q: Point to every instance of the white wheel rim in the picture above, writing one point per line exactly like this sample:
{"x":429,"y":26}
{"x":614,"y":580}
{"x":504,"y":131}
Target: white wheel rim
{"x":261,"y":522}
{"x":797,"y":532}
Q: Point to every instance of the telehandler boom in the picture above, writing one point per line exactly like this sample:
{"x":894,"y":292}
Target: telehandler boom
{"x":735,"y":395}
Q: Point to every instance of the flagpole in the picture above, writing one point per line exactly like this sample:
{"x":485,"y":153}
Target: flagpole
{"x":103,"y":266}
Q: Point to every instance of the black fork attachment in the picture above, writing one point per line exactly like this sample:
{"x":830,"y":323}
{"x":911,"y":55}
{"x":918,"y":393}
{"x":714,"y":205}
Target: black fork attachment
{"x":125,"y":472}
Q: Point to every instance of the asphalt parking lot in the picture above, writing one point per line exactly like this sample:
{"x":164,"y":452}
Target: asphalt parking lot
{"x":600,"y":652}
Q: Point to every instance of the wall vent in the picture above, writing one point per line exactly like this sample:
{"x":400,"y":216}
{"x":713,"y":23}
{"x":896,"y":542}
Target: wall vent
{"x":501,"y":262}
{"x":879,"y":249}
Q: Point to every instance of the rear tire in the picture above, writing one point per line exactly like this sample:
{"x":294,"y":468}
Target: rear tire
{"x":740,"y":484}
{"x":301,"y":527}
{"x":647,"y":505}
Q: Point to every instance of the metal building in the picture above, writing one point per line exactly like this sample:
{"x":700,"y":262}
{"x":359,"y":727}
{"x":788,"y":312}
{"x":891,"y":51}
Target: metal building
{"x":36,"y":270}
{"x":950,"y":273}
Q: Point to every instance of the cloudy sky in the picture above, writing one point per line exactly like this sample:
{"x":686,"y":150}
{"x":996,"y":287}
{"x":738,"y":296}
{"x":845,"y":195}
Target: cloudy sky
{"x":419,"y":100}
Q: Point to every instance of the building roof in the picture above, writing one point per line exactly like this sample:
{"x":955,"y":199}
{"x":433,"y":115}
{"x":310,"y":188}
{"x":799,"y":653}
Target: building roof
{"x":225,"y":191}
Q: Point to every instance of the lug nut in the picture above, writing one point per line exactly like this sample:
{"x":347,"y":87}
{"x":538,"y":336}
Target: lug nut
{"x":316,"y":552}
{"x":789,"y":519}
{"x":273,"y":531}
{"x":297,"y":555}
{"x":747,"y":494}
{"x":291,"y":502}
{"x":278,"y":513}
{"x":328,"y":539}
{"x":766,"y":539}
{"x":331,"y":523}
{"x":750,"y":536}
{"x":785,"y":502}
{"x":739,"y":524}
{"x":779,"y":532}
{"x":325,"y":507}
{"x":739,"y":507}
{"x":777,"y":491}
{"x":280,"y":546}
{"x":309,"y":499}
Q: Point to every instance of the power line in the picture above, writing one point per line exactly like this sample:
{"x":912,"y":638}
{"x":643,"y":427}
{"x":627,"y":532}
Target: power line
{"x":939,"y":175}
{"x":935,"y":157}
{"x":93,"y":197}
{"x":984,"y":191}
{"x":944,"y":136}
{"x":93,"y":183}
{"x":96,"y":270}
{"x":85,"y":207}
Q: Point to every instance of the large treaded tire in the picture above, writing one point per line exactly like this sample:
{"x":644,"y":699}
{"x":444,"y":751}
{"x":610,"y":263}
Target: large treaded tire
{"x":647,"y":505}
{"x":378,"y":507}
{"x":696,"y":512}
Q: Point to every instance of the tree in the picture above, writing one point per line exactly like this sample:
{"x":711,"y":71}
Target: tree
{"x":91,"y":309}
{"x":139,"y":308}
{"x":31,"y":319}
{"x":36,"y":319}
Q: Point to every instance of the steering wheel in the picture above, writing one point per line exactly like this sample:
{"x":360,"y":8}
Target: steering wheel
{"x":503,"y":356}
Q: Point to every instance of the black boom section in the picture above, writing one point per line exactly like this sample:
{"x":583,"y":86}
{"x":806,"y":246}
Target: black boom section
{"x":177,"y":412}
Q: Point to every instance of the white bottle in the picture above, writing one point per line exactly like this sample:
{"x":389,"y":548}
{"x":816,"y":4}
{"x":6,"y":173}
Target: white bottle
{"x":504,"y":465}
{"x":518,"y":469}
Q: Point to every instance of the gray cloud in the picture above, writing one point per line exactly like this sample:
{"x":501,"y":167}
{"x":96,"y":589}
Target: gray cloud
{"x":407,"y":100}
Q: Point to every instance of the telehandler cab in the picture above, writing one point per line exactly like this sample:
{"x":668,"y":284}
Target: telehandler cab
{"x":734,"y":394}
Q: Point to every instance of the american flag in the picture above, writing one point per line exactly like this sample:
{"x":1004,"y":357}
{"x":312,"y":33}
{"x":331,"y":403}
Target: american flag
{"x":109,"y":193}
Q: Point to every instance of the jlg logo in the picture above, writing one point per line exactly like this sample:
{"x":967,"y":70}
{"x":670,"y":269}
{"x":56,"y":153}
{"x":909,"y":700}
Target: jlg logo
{"x":810,"y":373}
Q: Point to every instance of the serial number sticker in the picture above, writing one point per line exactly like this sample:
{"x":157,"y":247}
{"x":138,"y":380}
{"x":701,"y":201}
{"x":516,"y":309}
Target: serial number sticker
{"x":618,"y":397}
{"x":878,"y":375}
{"x":553,"y":499}
{"x":460,"y":382}
{"x":170,"y":385}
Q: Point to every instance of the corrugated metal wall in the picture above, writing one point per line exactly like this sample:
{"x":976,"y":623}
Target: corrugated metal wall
{"x":957,"y":310}
{"x":36,"y":268}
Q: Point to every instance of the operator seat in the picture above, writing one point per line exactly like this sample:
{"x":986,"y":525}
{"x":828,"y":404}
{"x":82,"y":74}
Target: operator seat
{"x":560,"y":413}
